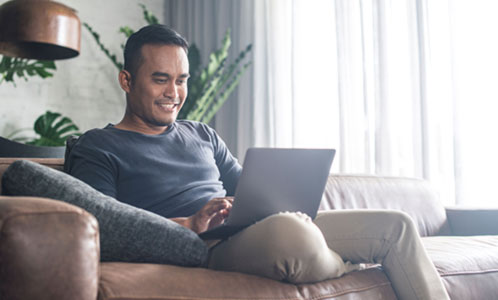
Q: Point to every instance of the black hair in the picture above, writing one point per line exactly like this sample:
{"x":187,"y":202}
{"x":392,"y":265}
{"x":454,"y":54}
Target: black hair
{"x":152,"y":34}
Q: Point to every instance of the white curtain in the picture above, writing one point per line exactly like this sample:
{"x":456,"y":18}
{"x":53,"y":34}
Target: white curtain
{"x":474,"y":56}
{"x":355,"y":75}
{"x":398,"y":87}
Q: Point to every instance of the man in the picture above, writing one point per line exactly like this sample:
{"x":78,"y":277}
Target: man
{"x":182,"y":170}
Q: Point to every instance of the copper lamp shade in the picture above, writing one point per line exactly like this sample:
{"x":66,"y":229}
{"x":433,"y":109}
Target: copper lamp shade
{"x":39,"y":29}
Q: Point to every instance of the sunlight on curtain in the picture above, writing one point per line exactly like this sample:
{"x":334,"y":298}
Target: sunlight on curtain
{"x":296,"y":86}
{"x":314,"y":76}
{"x":398,"y":125}
{"x":398,"y":87}
{"x":437,"y":97}
{"x":354,"y":103}
{"x":475,"y":61}
{"x":296,"y":89}
{"x":342,"y":74}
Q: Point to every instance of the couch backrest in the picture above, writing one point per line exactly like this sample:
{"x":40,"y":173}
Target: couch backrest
{"x":414,"y":196}
{"x":56,"y":163}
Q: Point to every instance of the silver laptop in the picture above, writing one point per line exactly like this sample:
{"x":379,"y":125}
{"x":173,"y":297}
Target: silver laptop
{"x":275,"y":180}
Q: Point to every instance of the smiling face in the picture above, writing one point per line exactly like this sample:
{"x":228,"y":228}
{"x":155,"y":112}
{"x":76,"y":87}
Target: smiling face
{"x":157,"y":91}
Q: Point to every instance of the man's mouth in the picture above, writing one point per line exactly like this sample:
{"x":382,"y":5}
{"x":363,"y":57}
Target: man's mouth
{"x":169,"y":106}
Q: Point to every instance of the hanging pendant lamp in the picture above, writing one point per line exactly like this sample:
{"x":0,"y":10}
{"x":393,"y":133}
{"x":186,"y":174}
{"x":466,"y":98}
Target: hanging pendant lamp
{"x":39,"y":29}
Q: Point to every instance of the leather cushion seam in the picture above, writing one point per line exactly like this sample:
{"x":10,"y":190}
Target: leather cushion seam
{"x":477,"y":272}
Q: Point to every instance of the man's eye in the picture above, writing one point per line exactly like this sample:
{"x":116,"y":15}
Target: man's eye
{"x":160,"y":80}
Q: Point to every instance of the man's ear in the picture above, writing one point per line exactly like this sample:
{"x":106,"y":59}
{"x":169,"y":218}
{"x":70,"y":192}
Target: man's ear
{"x":125,"y":80}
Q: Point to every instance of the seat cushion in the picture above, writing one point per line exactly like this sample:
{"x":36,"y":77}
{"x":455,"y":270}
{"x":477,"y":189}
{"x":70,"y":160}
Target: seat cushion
{"x":147,"y":281}
{"x":468,"y":265}
{"x":127,"y":233}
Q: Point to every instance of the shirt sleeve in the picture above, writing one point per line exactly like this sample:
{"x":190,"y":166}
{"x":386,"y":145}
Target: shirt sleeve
{"x":228,"y":165}
{"x":92,"y":166}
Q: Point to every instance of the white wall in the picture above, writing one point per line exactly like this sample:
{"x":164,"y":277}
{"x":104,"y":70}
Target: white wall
{"x":84,"y":88}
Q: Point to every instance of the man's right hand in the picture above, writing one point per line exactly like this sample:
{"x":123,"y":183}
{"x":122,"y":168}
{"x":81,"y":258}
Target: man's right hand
{"x":212,"y":214}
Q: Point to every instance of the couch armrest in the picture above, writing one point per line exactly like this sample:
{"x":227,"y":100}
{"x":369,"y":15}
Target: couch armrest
{"x":48,"y":250}
{"x":465,"y":221}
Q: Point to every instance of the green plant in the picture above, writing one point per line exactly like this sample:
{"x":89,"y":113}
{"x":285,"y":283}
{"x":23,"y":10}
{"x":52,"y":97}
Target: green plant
{"x":53,"y":130}
{"x":210,"y":86}
{"x":23,"y":67}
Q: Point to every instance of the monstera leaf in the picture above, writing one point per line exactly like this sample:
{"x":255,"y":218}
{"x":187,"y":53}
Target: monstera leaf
{"x":24,"y":68}
{"x":53,"y":129}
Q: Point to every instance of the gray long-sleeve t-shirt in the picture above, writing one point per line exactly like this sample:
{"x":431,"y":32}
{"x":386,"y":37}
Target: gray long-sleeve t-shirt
{"x":172,"y":174}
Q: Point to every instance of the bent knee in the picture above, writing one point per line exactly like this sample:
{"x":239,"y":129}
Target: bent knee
{"x":401,"y":223}
{"x":293,"y":232}
{"x":297,"y":249}
{"x":287,"y":246}
{"x":400,"y":217}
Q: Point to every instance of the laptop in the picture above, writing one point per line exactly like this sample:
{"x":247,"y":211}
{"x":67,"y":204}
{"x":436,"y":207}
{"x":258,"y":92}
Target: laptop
{"x":276,"y":180}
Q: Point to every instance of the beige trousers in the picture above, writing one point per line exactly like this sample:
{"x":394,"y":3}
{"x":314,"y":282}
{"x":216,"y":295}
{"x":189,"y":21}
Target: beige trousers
{"x":293,"y":248}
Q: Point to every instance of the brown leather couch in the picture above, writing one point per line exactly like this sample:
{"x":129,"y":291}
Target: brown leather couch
{"x":50,"y":250}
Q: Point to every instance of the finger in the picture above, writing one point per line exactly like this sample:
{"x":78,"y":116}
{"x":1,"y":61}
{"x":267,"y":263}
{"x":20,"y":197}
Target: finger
{"x":213,"y":207}
{"x":224,"y":199}
{"x":225,"y":212}
{"x":216,"y":220}
{"x":220,"y":202}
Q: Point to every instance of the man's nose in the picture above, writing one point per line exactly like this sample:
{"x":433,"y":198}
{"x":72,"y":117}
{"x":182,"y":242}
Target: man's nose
{"x":171,"y":90}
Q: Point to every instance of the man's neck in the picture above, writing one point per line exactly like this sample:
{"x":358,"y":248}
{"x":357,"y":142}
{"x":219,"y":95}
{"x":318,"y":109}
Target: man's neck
{"x":140,"y":128}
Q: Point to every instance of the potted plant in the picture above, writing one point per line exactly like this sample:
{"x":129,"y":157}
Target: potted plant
{"x":52,"y":129}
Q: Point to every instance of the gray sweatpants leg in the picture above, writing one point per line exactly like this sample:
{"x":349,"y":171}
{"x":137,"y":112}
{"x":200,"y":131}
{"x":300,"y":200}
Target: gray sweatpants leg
{"x":292,"y":248}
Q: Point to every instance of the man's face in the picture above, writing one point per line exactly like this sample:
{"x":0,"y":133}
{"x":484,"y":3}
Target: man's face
{"x":159,"y":86}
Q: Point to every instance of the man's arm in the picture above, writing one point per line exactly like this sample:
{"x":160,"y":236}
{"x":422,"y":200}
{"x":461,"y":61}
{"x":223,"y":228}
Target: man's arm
{"x":227,"y":164}
{"x":94,"y":167}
